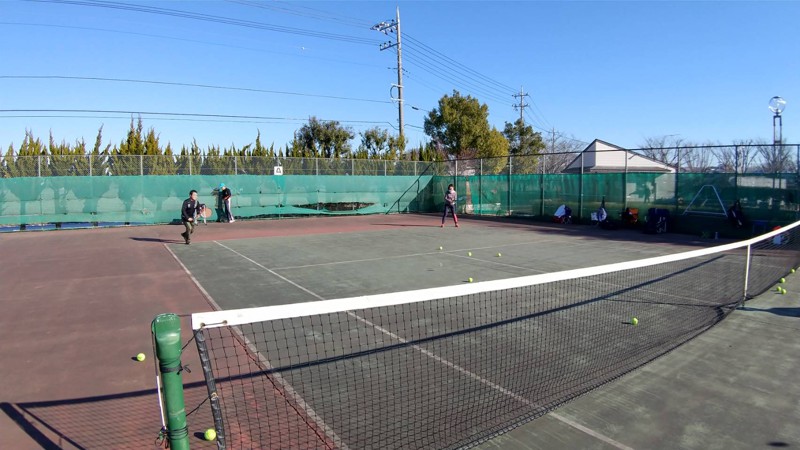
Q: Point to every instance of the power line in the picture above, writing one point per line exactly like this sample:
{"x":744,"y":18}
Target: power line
{"x":204,"y":86}
{"x":211,"y":18}
{"x":297,"y":10}
{"x":196,"y":41}
{"x":178,"y":114}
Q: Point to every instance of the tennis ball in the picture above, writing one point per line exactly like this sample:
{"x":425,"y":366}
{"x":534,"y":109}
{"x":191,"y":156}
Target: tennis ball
{"x":210,"y":434}
{"x":792,"y":270}
{"x":469,"y":253}
{"x":469,"y":279}
{"x":783,"y":291}
{"x":440,"y":248}
{"x":499,"y":255}
{"x":140,"y":357}
{"x":635,"y":321}
{"x":783,"y":280}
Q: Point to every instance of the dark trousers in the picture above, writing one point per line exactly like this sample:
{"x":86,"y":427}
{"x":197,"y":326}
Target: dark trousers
{"x":452,"y":210}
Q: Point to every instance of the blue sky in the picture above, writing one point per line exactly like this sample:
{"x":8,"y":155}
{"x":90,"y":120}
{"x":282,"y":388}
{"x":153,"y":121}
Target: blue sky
{"x":617,"y":71}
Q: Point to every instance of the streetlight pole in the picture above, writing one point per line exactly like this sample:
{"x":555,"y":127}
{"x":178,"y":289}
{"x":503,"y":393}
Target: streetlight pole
{"x":777,"y":105}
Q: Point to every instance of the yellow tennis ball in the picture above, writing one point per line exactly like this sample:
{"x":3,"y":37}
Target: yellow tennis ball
{"x":635,"y":321}
{"x":210,"y":434}
{"x":792,"y":270}
{"x":783,"y":291}
{"x":469,"y":253}
{"x":499,"y":255}
{"x":140,"y":357}
{"x":469,"y":279}
{"x":783,"y":280}
{"x":440,"y":248}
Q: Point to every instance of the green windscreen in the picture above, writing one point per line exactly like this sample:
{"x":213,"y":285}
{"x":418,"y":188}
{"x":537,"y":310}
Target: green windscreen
{"x":158,"y":198}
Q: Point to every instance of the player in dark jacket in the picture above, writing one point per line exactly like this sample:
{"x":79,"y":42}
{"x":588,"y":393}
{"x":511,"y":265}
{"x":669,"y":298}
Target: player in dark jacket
{"x":189,"y":215}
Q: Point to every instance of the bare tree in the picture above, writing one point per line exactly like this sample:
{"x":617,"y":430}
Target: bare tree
{"x":776,"y":158}
{"x":560,"y":150}
{"x":698,"y":158}
{"x":662,"y":148}
{"x":678,"y":152}
{"x":739,"y":157}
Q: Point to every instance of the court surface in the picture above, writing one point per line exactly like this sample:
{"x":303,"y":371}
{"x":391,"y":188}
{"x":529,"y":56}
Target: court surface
{"x":732,"y":387}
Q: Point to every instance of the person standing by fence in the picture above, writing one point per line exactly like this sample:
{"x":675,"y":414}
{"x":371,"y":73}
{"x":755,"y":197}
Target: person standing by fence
{"x":225,"y":204}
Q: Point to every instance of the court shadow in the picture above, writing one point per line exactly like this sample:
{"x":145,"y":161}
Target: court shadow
{"x":407,"y":225}
{"x":787,"y":312}
{"x":164,"y":241}
{"x":121,"y":421}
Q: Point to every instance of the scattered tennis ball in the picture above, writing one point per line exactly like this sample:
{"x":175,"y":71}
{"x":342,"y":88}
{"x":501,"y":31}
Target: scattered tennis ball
{"x":635,"y":321}
{"x":469,"y":253}
{"x":441,"y":248}
{"x":783,"y":291}
{"x":140,"y":357}
{"x":469,"y":279}
{"x":792,"y":270}
{"x":783,"y":280}
{"x":499,"y":255}
{"x":210,"y":434}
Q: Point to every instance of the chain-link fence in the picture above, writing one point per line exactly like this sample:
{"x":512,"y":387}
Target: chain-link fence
{"x":126,"y":165}
{"x":64,"y":188}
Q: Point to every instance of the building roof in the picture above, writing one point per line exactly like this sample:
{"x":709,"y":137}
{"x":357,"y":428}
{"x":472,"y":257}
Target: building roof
{"x":602,"y":157}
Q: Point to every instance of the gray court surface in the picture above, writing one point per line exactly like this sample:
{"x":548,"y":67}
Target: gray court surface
{"x":733,"y":387}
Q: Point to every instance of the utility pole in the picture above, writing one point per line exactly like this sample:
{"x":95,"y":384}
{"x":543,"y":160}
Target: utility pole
{"x":392,"y":27}
{"x":521,"y":107}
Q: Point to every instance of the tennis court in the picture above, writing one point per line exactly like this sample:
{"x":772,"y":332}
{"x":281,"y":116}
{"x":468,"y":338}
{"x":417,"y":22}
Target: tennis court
{"x":308,"y":260}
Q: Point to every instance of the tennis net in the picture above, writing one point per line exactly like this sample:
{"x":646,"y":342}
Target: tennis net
{"x":452,"y":367}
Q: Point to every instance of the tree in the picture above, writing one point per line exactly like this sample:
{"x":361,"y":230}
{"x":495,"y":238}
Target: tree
{"x":123,"y":160}
{"x":524,"y":146}
{"x":677,"y":152}
{"x":460,"y":125}
{"x":326,"y":139}
{"x":560,"y":150}
{"x":775,"y":158}
{"x":739,"y":158}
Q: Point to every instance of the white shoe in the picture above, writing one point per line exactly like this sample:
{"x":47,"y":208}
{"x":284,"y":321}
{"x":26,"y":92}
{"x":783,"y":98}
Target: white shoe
{"x":233,"y":220}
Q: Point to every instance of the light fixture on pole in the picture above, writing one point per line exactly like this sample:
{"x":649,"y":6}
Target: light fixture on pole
{"x":777,"y":105}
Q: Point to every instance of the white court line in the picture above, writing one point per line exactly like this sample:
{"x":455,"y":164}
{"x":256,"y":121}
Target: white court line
{"x":205,"y":293}
{"x":447,"y":363}
{"x":273,"y":272}
{"x":287,"y":387}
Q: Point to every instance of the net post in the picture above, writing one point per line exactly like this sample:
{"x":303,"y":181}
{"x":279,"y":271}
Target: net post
{"x":166,"y":329}
{"x":208,"y":374}
{"x":746,"y":274}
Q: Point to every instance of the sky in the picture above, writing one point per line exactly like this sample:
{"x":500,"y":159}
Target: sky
{"x":220,"y":72}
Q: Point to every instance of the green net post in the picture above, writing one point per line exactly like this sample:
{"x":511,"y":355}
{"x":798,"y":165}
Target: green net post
{"x":166,"y":330}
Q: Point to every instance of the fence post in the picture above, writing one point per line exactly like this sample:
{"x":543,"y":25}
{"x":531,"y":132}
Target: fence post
{"x":580,"y":189}
{"x":38,"y":165}
{"x":541,"y":185}
{"x":508,"y":182}
{"x":625,"y":182}
{"x":90,"y":165}
{"x":190,"y":164}
{"x":141,"y":165}
{"x":677,"y":178}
